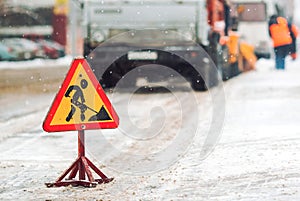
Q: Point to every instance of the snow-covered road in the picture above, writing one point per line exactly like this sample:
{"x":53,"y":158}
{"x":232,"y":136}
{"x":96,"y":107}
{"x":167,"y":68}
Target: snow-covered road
{"x":257,"y":156}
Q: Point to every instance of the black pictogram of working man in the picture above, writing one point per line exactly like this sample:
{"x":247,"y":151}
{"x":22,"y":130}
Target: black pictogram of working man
{"x":78,"y":95}
{"x":78,"y":101}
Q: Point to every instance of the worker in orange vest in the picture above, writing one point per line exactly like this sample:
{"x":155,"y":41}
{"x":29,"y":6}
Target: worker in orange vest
{"x":282,"y":40}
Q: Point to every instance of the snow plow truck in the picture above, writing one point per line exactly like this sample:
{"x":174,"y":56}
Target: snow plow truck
{"x":196,"y":39}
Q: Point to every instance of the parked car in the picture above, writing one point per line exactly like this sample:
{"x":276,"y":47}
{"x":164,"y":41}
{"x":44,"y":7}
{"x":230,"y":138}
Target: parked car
{"x":58,"y":47}
{"x":52,"y":49}
{"x":24,"y":48}
{"x":6,"y":53}
{"x":49,"y":51}
{"x":35,"y":49}
{"x":15,"y":49}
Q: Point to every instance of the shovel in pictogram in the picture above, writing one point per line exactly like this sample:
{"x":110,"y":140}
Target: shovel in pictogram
{"x":101,"y":115}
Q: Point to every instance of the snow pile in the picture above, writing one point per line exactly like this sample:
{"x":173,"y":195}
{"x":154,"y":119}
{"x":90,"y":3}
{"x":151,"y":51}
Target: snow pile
{"x":269,"y":64}
{"x":36,"y":63}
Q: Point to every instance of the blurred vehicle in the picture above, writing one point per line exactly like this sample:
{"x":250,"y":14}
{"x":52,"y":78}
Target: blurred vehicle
{"x":6,"y":53}
{"x":52,"y":49}
{"x":202,"y":23}
{"x":32,"y":47}
{"x":49,"y":51}
{"x":58,"y":47}
{"x":24,"y":48}
{"x":16,"y":49}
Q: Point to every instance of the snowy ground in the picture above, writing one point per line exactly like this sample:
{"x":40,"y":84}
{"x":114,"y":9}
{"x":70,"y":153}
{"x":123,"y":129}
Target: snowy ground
{"x":257,"y":156}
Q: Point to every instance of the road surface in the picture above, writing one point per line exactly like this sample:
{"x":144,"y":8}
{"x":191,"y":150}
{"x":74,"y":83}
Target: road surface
{"x":256,"y":157}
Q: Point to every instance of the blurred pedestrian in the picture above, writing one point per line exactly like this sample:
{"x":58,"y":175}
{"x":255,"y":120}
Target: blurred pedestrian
{"x":294,"y":34}
{"x":282,"y":40}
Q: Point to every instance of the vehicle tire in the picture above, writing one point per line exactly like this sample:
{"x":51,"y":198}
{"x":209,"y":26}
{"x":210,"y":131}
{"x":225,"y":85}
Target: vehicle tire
{"x":197,"y":84}
{"x":108,"y":81}
{"x":235,"y":69}
{"x":127,"y":81}
{"x":226,"y":72}
{"x":117,"y":79}
{"x":226,"y":67}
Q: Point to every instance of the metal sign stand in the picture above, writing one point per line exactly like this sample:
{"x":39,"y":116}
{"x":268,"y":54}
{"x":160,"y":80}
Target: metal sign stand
{"x":81,"y":166}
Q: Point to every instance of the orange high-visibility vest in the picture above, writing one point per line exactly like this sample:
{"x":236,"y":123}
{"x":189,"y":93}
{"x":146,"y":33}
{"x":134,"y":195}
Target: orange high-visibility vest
{"x":280,"y":33}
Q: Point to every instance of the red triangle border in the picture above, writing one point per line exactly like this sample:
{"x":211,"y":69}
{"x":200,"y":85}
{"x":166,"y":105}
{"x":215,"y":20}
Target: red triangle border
{"x":81,"y":126}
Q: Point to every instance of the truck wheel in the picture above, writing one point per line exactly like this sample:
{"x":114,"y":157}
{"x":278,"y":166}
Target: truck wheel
{"x":198,"y":85}
{"x":227,"y":72}
{"x":127,"y":82}
{"x":120,"y":81}
{"x":224,"y":63}
{"x":235,"y":69}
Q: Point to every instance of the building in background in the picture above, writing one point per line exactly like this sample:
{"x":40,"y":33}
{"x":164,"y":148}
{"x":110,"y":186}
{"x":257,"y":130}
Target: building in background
{"x":23,"y":20}
{"x":59,"y":21}
{"x":30,"y":3}
{"x":49,"y":19}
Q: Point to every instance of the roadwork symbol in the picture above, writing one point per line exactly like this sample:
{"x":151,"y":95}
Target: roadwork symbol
{"x":81,"y":103}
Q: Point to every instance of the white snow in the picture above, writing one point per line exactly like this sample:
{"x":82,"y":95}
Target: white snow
{"x":36,"y":63}
{"x":256,"y":158}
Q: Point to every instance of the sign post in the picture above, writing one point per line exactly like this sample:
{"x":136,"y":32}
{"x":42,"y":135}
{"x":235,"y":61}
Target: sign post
{"x":80,"y":104}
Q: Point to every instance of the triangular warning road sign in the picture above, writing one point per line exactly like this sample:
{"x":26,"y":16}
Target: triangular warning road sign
{"x":81,"y":103}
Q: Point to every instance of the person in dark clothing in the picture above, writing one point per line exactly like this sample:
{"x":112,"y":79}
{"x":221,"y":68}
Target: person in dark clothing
{"x":282,"y":40}
{"x":294,"y":33}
